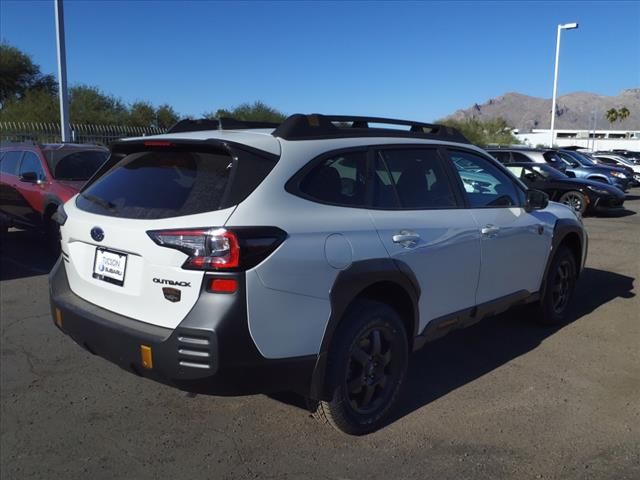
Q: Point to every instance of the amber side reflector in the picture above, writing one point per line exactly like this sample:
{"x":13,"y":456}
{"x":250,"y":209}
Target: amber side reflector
{"x":146,"y":356}
{"x":223,"y":285}
{"x":58,"y":318}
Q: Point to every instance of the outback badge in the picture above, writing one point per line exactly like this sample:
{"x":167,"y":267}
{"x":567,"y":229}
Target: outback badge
{"x":171,"y":294}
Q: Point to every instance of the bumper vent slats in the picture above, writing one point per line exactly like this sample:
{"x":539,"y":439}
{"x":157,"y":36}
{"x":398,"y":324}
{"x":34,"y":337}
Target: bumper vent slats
{"x":194,"y":352}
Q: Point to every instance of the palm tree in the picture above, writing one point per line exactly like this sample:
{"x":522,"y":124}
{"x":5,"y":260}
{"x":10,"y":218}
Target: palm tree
{"x":623,"y":114}
{"x":612,"y":116}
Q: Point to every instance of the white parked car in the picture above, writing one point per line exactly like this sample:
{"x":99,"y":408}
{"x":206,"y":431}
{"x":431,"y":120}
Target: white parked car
{"x":312,"y":256}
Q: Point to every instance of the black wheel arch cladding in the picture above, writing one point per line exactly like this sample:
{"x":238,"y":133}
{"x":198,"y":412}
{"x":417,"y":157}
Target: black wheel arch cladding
{"x":351,"y":284}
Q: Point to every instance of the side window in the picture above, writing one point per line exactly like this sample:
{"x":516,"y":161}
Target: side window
{"x":411,"y":179}
{"x":502,"y":157}
{"x":338,"y":180}
{"x":520,"y":157}
{"x":9,"y":164}
{"x":485,"y":184}
{"x":31,"y":163}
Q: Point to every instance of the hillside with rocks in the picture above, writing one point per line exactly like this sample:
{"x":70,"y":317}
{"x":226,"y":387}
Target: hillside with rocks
{"x":575,"y":110}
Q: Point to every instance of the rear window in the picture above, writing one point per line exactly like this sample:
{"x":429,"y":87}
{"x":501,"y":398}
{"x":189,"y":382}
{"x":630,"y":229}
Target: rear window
{"x":172,"y":183}
{"x":75,"y":165}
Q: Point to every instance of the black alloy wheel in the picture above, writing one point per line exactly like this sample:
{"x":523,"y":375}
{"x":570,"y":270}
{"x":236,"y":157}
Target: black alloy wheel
{"x":366,"y":368}
{"x":575,"y":200}
{"x":559,"y":286}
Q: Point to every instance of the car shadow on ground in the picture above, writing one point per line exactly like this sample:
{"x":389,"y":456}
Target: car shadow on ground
{"x":24,"y":253}
{"x":463,"y":356}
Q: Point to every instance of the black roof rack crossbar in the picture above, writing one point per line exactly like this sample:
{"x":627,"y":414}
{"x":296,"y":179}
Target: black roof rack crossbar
{"x":317,"y":126}
{"x":223,"y":123}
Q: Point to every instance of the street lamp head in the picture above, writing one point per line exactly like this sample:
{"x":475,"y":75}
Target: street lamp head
{"x":568,"y":26}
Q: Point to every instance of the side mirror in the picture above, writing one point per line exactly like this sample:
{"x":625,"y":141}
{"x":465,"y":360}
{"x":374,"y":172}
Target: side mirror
{"x":29,"y":177}
{"x":570,"y":173}
{"x":536,"y":200}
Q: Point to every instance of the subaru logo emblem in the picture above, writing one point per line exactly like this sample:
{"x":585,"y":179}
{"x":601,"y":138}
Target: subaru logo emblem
{"x":97,"y":234}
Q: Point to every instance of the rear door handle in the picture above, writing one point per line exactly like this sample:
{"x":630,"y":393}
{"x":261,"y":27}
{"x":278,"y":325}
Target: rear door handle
{"x":406,"y":238}
{"x":489,"y":230}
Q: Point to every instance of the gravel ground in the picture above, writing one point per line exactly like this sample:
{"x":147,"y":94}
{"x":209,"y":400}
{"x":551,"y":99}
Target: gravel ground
{"x":502,"y":399}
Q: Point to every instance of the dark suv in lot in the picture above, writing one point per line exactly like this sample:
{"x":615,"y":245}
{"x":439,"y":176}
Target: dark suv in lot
{"x":36,"y":178}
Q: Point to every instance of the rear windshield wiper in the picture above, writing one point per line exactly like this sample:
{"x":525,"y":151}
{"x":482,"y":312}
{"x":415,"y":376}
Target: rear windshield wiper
{"x":99,"y":201}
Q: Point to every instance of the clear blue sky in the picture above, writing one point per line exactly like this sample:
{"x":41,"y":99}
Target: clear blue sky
{"x":418,"y":60}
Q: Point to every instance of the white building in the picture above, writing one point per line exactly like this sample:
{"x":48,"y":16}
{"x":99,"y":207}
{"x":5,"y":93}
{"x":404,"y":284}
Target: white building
{"x":594,"y":140}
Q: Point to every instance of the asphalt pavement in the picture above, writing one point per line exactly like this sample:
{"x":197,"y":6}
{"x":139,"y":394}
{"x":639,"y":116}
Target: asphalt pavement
{"x":505,"y":398}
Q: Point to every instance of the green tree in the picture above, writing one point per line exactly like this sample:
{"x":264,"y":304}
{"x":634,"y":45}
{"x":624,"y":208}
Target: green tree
{"x":19,"y":75}
{"x":90,"y":105}
{"x":611,"y":116}
{"x":486,"y":132}
{"x":256,"y":111}
{"x":35,"y":106}
{"x":166,"y":116}
{"x":141,"y":114}
{"x":623,"y":114}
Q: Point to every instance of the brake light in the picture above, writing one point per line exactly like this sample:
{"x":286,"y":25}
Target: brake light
{"x":219,"y":248}
{"x":157,"y":143}
{"x":208,"y":249}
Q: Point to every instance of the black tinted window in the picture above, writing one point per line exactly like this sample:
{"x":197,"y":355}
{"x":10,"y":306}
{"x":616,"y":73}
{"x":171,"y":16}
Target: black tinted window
{"x":485,"y":184}
{"x":80,"y":165}
{"x":502,"y":157}
{"x":520,"y":157}
{"x":160,"y":184}
{"x":10,"y":161}
{"x":31,"y":163}
{"x":339,"y":180}
{"x":411,"y":179}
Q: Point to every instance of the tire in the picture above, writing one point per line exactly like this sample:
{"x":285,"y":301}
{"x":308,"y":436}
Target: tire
{"x":575,"y":200}
{"x":559,"y":287}
{"x":52,"y":235}
{"x":366,"y":368}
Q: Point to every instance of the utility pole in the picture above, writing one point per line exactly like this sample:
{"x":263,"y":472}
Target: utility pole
{"x":62,"y":73}
{"x":565,"y":26}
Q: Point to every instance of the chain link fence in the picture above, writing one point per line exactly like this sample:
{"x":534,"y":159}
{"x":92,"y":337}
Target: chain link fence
{"x":80,"y":133}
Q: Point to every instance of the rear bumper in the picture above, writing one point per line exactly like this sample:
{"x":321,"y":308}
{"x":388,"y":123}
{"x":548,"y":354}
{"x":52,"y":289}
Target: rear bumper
{"x":211,"y":350}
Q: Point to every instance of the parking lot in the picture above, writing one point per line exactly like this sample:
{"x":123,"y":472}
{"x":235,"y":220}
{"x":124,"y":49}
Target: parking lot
{"x":502,"y":399}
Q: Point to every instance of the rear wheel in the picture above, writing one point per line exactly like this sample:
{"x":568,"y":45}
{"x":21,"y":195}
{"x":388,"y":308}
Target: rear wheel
{"x":575,"y":200}
{"x":367,"y":365}
{"x":560,"y":284}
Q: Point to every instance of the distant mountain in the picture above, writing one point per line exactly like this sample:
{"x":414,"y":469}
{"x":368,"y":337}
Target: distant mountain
{"x":575,"y":110}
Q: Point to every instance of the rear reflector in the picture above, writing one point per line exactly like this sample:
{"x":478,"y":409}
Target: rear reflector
{"x":146,"y":357}
{"x":223,"y":285}
{"x":58,"y":318}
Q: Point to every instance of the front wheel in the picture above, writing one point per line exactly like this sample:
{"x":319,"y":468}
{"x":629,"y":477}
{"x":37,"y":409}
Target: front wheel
{"x":559,"y":286}
{"x":575,"y":200}
{"x":367,"y":365}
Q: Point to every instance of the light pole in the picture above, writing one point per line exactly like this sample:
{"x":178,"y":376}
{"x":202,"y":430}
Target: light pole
{"x":62,"y":73}
{"x":562,"y":26}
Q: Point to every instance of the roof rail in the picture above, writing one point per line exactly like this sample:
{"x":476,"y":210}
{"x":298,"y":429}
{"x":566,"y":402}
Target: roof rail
{"x":317,"y":126}
{"x":223,"y":123}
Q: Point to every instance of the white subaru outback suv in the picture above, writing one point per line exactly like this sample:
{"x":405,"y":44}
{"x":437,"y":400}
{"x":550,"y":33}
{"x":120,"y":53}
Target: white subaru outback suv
{"x":312,"y":256}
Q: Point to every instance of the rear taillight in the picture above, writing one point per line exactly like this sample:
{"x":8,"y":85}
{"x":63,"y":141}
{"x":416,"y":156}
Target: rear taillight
{"x":221,"y":248}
